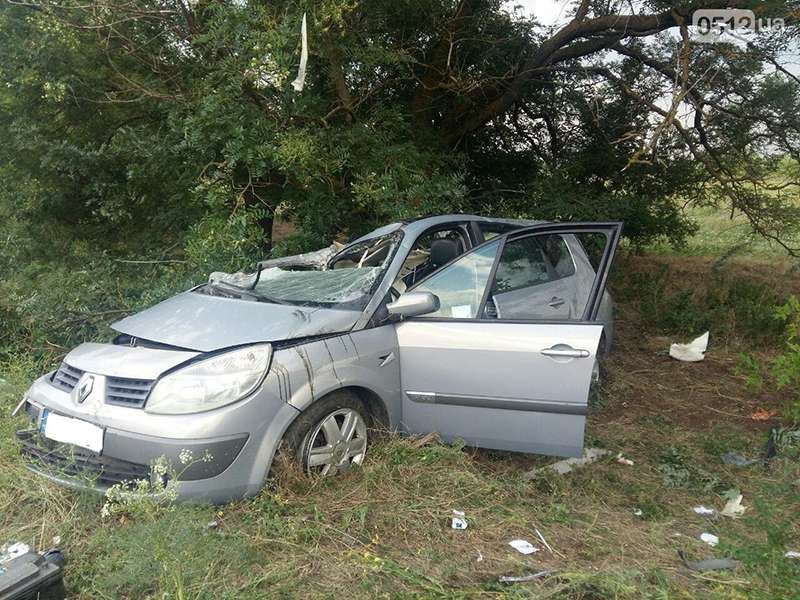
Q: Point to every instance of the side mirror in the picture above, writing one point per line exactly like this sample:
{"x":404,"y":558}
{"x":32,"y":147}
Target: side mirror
{"x":413,"y":304}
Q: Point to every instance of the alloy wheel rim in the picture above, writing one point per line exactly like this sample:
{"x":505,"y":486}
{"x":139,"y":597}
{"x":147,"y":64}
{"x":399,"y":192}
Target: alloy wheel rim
{"x":337,"y":443}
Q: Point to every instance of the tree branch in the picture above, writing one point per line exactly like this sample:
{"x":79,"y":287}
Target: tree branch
{"x":558,"y":48}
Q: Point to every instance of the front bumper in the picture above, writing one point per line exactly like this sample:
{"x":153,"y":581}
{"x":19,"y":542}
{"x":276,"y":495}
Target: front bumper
{"x":212,"y":457}
{"x":202,"y":459}
{"x":76,"y":466}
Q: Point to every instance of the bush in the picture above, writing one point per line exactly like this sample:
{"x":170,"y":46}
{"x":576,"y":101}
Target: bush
{"x":786,"y":367}
{"x":727,"y":306}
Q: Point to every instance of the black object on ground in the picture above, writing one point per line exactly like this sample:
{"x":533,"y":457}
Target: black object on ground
{"x":33,"y":576}
{"x":709,"y":564}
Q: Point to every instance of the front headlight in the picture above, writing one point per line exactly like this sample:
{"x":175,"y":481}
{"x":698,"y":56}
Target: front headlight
{"x":211,"y":383}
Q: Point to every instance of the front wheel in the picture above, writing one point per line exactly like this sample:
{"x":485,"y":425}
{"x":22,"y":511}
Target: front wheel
{"x":330,"y":437}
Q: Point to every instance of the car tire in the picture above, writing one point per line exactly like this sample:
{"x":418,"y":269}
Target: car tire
{"x":330,"y":436}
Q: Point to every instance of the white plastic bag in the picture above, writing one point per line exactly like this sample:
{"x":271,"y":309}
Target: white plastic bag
{"x":694,"y":351}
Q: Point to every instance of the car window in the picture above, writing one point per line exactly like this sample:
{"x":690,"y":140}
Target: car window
{"x":538,"y":277}
{"x":371,"y":253}
{"x":531,"y":261}
{"x":430,"y":252}
{"x":492,"y":230}
{"x":460,"y":286}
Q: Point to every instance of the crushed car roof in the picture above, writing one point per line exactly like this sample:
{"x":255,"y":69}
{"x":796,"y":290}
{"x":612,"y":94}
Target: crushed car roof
{"x":416,"y":226}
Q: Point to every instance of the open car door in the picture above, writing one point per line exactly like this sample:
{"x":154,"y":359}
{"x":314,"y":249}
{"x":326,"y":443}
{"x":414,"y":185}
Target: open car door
{"x":506,"y":361}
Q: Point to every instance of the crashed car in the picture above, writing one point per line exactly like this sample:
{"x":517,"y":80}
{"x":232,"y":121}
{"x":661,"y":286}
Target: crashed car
{"x":484,"y":330}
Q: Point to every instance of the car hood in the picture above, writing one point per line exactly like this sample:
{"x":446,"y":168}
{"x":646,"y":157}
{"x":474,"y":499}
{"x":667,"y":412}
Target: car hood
{"x":199,"y":322}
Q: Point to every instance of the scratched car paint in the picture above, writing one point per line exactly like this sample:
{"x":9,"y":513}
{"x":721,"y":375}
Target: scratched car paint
{"x":485,"y":330}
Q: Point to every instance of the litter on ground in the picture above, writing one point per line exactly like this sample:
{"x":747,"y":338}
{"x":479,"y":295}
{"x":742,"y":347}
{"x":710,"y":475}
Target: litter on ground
{"x":459,"y":520}
{"x":703,"y":510}
{"x":710,"y":539}
{"x":624,"y":461}
{"x":544,"y":541}
{"x":709,"y":564}
{"x":733,"y":508}
{"x":638,"y":512}
{"x":737,"y":460}
{"x":563,"y":467}
{"x":523,"y":546}
{"x":763,"y":415}
{"x":526,"y":578}
{"x":792,"y":554}
{"x":12,"y":550}
{"x":694,"y":351}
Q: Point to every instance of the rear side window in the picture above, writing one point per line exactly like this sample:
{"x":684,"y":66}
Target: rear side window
{"x":531,"y":261}
{"x":492,"y":230}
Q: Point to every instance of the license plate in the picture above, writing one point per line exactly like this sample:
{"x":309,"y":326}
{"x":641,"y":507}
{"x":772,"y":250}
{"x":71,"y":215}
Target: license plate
{"x":71,"y":431}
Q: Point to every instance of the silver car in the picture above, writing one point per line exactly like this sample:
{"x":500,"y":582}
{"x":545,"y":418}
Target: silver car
{"x":484,"y":330}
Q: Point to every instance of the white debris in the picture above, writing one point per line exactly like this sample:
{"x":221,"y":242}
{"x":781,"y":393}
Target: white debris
{"x":694,"y":351}
{"x":544,"y":541}
{"x":13,"y":550}
{"x":624,"y":461}
{"x":525,"y":578}
{"x":792,"y":554}
{"x":459,"y":520}
{"x":734,"y":508}
{"x":638,"y":512}
{"x":710,"y":539}
{"x":56,"y":540}
{"x":563,"y":467}
{"x":702,"y":510}
{"x":299,"y":83}
{"x":523,"y":546}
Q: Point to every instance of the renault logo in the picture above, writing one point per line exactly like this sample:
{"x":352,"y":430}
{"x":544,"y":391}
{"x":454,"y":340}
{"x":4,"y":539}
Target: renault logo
{"x":83,"y":388}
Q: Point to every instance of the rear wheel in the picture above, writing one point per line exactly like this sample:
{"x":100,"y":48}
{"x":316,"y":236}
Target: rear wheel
{"x":330,"y":437}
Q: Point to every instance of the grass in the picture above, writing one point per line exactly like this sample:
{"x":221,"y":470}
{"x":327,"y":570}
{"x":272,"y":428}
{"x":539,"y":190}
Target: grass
{"x":719,"y":235}
{"x":383,"y":531}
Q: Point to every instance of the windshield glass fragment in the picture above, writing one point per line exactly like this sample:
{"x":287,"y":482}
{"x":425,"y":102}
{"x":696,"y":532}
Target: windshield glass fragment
{"x":323,"y":278}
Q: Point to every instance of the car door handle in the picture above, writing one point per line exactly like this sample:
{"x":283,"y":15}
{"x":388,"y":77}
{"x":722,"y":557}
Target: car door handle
{"x":564,"y":351}
{"x":555,"y":302}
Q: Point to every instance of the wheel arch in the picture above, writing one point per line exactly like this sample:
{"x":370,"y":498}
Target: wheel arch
{"x":375,"y":405}
{"x":378,"y":412}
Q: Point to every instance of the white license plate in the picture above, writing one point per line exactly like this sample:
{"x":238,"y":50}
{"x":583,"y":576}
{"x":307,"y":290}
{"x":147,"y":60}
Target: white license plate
{"x":71,"y":431}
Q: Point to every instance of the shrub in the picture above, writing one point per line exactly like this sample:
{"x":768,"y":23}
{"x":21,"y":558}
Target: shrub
{"x":727,"y":306}
{"x":786,"y":367}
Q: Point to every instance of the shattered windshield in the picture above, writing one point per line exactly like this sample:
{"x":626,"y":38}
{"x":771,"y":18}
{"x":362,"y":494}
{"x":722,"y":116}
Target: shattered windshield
{"x":346,"y":281}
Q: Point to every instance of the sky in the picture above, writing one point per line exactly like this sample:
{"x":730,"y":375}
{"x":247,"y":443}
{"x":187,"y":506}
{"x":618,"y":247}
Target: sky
{"x":552,"y":12}
{"x":548,"y":12}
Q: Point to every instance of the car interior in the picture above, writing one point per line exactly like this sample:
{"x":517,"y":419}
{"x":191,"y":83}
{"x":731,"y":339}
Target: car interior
{"x":431,"y":251}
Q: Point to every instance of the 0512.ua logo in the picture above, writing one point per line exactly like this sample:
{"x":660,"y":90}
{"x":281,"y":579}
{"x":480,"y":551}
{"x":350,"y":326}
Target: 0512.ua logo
{"x":730,"y":24}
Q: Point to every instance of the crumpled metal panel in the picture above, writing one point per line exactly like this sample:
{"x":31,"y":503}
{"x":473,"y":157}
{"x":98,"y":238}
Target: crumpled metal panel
{"x":318,"y":260}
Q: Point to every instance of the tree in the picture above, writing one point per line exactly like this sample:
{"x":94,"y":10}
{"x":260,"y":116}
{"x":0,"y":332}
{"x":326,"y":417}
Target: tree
{"x":179,"y":117}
